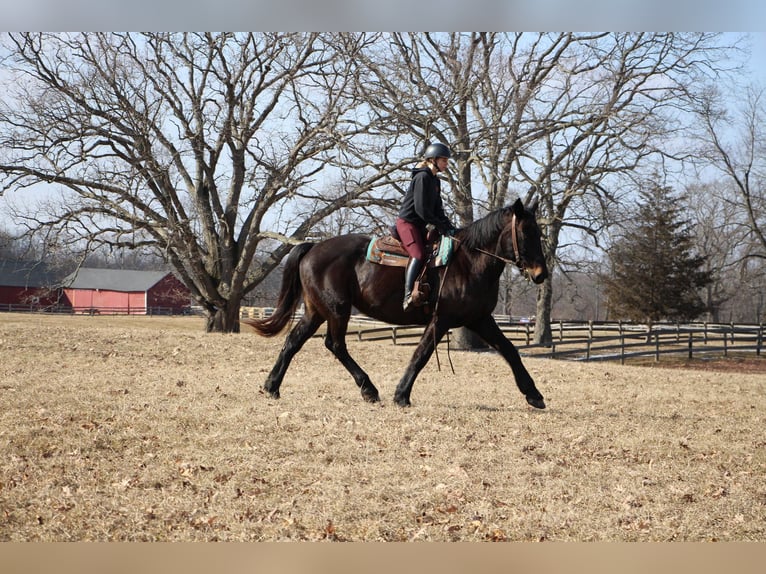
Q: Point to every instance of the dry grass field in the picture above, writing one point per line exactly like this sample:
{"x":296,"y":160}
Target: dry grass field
{"x":148,"y":429}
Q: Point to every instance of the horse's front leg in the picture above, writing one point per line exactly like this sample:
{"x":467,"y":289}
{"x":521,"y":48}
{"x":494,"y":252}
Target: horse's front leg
{"x":431,"y":337}
{"x":488,"y":330}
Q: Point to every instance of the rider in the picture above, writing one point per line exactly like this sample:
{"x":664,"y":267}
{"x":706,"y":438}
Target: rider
{"x":422,"y":205}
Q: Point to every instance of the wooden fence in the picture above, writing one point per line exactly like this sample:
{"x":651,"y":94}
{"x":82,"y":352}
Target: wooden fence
{"x":601,"y":341}
{"x":573,"y":340}
{"x":69,"y":310}
{"x":605,"y":341}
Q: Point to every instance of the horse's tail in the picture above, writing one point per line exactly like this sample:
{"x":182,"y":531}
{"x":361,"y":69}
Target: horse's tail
{"x":289,"y":295}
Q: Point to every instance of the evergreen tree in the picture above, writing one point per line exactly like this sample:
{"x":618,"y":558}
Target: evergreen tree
{"x":655,"y":273}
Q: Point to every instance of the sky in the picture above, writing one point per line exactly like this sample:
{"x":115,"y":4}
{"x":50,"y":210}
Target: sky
{"x":400,"y":15}
{"x":742,"y":14}
{"x":758,"y":61}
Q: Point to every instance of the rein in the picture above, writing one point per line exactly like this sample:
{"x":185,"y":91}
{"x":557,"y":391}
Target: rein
{"x":517,"y":261}
{"x":516,"y":254}
{"x":436,"y":308}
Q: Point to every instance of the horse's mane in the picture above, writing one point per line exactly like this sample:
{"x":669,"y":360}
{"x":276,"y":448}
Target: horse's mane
{"x":484,"y":230}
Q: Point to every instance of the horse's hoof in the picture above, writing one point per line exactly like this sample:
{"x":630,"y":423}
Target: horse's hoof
{"x":371,"y":397}
{"x":538,"y":403}
{"x":272,"y":394}
{"x":402,"y":402}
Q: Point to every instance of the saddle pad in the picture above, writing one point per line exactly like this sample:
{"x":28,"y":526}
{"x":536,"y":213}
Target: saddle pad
{"x":390,"y":251}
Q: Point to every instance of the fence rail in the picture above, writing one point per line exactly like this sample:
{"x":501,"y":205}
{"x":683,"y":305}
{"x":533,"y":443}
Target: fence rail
{"x":572,"y":340}
{"x":601,"y":341}
{"x":589,"y":340}
{"x":689,"y":340}
{"x":69,"y":310}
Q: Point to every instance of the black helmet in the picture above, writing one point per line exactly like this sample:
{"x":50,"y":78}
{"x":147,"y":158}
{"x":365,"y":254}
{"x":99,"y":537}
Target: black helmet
{"x":435,"y":150}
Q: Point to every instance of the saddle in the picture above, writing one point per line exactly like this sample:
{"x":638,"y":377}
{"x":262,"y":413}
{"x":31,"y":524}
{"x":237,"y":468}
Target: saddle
{"x":388,"y":250}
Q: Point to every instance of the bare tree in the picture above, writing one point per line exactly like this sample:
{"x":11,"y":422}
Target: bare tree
{"x":221,"y":149}
{"x":719,"y":236}
{"x":209,"y":148}
{"x":617,"y":114}
{"x":9,"y":248}
{"x":566,"y":117}
{"x":732,"y":141}
{"x":731,"y":157}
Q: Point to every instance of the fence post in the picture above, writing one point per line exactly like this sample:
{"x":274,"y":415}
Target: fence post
{"x":526,"y":328}
{"x":657,"y":346}
{"x":725,"y":345}
{"x":759,"y":342}
{"x":561,"y":330}
{"x":622,"y":346}
{"x":705,"y":332}
{"x":587,"y":350}
{"x":393,"y":334}
{"x":691,"y":337}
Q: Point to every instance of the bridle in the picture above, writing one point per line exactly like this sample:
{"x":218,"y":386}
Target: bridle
{"x":515,"y":242}
{"x":517,"y":259}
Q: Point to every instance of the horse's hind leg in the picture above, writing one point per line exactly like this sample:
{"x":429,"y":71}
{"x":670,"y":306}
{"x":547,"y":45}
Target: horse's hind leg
{"x":335,"y":340}
{"x":301,"y":333}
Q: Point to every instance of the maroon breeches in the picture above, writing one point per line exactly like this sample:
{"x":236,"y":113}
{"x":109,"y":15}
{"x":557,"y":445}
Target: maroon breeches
{"x":412,"y":238}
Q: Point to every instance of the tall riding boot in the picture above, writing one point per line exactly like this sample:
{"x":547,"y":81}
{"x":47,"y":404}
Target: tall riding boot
{"x":410,"y":275}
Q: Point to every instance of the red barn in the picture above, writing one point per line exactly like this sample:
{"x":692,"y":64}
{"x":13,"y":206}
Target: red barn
{"x":106,"y":291}
{"x":28,"y":285}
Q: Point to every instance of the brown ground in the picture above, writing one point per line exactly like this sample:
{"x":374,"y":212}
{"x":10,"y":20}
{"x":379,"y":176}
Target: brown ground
{"x":148,"y":429}
{"x":721,"y":365}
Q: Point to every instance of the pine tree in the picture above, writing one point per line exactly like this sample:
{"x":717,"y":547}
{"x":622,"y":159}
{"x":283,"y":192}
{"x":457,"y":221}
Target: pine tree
{"x":655,"y":273}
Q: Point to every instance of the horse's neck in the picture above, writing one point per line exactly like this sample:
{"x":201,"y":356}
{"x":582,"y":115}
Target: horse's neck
{"x":483,"y":265}
{"x":482,"y":257}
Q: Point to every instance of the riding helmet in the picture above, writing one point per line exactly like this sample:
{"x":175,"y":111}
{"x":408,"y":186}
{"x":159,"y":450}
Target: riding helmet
{"x":435,"y":150}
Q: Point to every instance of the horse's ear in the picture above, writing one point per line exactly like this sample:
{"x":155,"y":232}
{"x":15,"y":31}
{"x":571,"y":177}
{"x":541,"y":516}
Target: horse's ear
{"x":518,"y":208}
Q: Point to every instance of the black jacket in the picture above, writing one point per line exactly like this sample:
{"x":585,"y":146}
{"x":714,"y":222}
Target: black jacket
{"x":422,"y":203}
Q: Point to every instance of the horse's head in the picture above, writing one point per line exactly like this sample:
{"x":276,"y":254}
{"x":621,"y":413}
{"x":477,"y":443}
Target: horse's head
{"x":521,"y":241}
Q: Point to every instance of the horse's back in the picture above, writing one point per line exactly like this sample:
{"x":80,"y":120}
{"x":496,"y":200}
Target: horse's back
{"x":331,"y":264}
{"x":336,"y":276}
{"x":343,"y":249}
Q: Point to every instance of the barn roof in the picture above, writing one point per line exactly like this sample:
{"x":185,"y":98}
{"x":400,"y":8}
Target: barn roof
{"x":27,"y":274}
{"x":123,"y":280}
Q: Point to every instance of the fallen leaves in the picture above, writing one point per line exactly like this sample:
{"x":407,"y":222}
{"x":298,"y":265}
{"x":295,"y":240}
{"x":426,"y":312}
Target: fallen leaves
{"x":131,"y":449}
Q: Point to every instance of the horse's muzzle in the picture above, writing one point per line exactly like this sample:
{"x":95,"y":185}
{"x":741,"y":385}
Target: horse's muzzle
{"x":537,"y":273}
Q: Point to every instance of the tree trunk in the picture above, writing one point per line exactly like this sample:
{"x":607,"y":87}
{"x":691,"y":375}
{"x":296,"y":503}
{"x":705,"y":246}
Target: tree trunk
{"x":224,"y":319}
{"x":649,"y":331}
{"x":543,"y":335}
{"x":466,"y":340}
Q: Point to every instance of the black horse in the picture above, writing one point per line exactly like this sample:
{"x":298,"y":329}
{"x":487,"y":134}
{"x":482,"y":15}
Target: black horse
{"x":333,"y":276}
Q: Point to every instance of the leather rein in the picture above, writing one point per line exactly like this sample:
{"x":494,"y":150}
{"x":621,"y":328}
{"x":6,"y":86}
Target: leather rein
{"x":517,"y":261}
